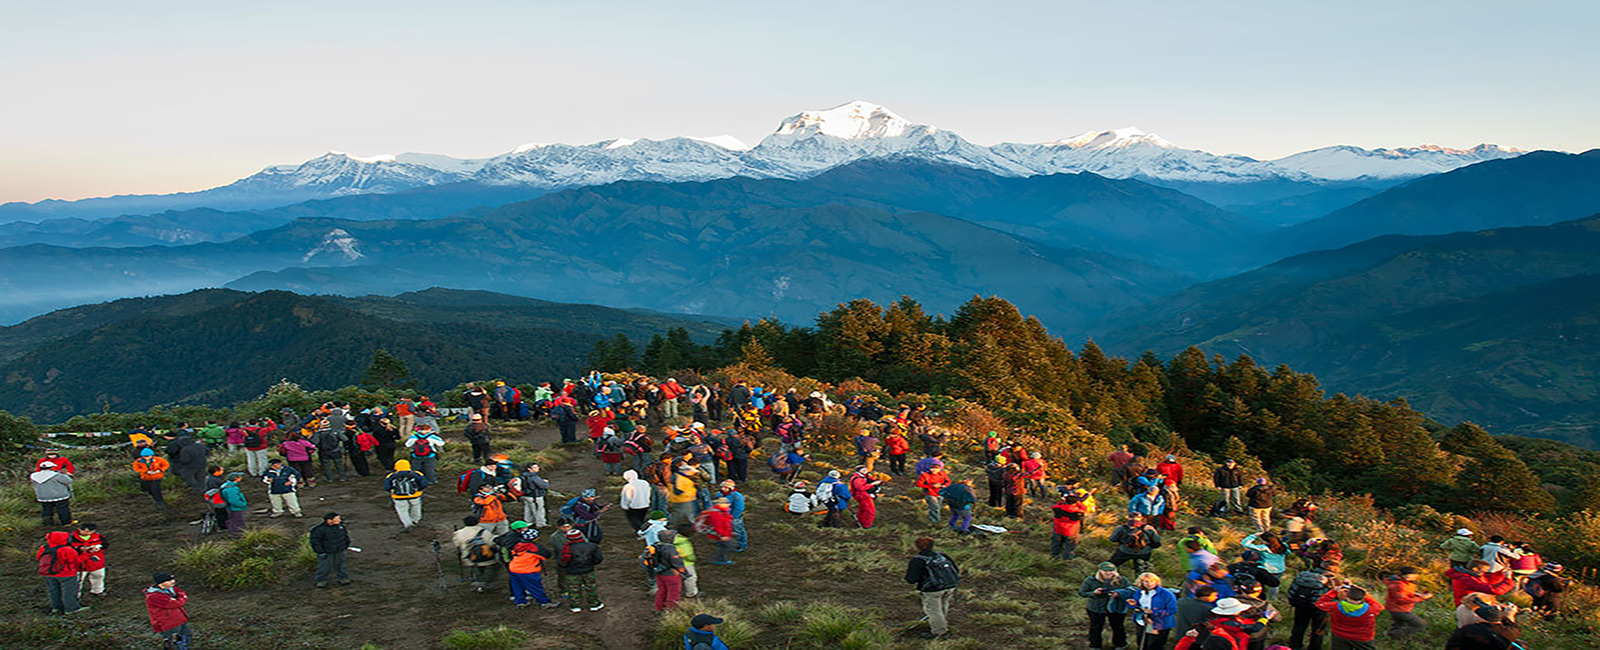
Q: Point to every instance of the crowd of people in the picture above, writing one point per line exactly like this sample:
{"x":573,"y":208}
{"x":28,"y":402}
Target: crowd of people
{"x":681,"y":482}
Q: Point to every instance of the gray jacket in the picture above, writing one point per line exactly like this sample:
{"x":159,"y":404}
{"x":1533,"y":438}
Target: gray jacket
{"x":50,"y":485}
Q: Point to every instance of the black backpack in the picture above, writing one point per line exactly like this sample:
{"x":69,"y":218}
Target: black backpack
{"x":1306,"y":588}
{"x":939,"y":573}
{"x":404,"y":483}
{"x":252,"y":438}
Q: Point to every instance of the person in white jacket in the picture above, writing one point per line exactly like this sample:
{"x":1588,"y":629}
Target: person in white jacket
{"x":635,"y":500}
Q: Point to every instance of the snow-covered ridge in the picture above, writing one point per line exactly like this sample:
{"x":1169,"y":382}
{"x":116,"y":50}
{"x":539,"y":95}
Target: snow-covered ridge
{"x":811,"y":142}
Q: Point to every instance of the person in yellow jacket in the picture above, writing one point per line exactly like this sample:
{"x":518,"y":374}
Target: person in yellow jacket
{"x":151,"y":469}
{"x":405,"y":489}
{"x":681,"y":492}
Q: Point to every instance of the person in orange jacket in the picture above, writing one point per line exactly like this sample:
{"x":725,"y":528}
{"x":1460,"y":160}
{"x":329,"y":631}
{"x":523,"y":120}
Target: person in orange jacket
{"x":489,"y":508}
{"x":151,"y":470}
{"x":1401,"y":600}
{"x":931,"y":482}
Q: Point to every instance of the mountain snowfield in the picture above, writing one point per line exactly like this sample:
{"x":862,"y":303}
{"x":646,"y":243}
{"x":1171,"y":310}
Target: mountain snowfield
{"x":803,"y":145}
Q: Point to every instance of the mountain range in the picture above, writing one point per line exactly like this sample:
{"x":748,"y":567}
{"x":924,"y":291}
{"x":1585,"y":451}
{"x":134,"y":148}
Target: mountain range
{"x":803,"y":145}
{"x":1499,"y":326}
{"x":220,"y":346}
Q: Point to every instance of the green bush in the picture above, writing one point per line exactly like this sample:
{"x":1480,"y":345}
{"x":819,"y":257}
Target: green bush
{"x":827,"y":624}
{"x":262,"y":557}
{"x":499,"y":637}
{"x":736,"y":629}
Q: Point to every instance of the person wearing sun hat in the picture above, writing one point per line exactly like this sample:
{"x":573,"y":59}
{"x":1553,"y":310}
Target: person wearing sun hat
{"x":1462,"y":549}
{"x":702,"y":634}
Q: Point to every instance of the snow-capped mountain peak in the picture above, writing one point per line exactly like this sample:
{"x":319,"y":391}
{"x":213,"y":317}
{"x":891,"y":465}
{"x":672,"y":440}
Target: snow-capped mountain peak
{"x":1122,"y":138}
{"x":1348,"y":162}
{"x":856,"y":120}
{"x":725,"y":141}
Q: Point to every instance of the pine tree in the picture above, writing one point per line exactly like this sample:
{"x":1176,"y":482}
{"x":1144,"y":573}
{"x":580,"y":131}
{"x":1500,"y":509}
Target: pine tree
{"x":613,"y":355}
{"x":386,"y":371}
{"x":755,"y":355}
{"x":850,"y":341}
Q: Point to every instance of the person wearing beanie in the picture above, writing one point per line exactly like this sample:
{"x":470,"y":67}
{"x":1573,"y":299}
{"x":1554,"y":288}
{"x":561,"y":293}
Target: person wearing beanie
{"x":151,"y":469}
{"x":166,"y":603}
{"x":330,"y":540}
{"x":655,"y":522}
{"x":730,"y":491}
{"x":668,"y":569}
{"x":577,"y":561}
{"x":1352,"y":616}
{"x":58,"y":563}
{"x":1462,"y":549}
{"x":527,"y":569}
{"x":586,"y":515}
{"x":702,"y":634}
{"x":1105,"y":606}
{"x":234,"y":503}
{"x":718,"y":524}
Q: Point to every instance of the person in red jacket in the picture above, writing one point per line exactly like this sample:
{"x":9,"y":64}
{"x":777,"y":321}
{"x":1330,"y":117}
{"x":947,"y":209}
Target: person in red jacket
{"x":91,"y":548}
{"x":895,"y":446}
{"x":931,"y":482}
{"x":719,"y":520}
{"x":1477,"y":579}
{"x":53,"y":455}
{"x":165,"y":602}
{"x":1033,"y":470}
{"x":58,"y":564}
{"x":1171,"y":469}
{"x":1402,"y":599}
{"x":1352,"y":617}
{"x":1069,"y":513}
{"x":864,"y":492}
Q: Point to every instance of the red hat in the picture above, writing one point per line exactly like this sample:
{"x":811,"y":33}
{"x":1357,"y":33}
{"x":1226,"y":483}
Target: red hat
{"x":574,"y":534}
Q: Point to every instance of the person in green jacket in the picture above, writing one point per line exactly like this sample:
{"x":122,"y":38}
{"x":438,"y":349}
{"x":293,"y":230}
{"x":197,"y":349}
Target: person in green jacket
{"x":213,"y":435}
{"x":1105,"y":606}
{"x":1462,"y":549}
{"x":1199,"y":535}
{"x":691,"y":580}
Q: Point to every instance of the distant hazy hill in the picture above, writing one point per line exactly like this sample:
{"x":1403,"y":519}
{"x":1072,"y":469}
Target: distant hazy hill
{"x":1497,"y":326}
{"x":221,"y":346}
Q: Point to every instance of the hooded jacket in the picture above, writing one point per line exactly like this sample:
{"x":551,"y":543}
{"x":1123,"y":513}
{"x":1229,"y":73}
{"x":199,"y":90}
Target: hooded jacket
{"x":404,"y":467}
{"x":635,"y":492}
{"x":50,"y":486}
{"x":1357,"y":624}
{"x":1462,"y":549}
{"x":67,"y":558}
{"x":233,"y":497}
{"x":1462,"y":583}
{"x":91,"y":551}
{"x":166,"y":607}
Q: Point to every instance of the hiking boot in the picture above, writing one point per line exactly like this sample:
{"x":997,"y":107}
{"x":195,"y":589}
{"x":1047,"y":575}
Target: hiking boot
{"x":275,"y":515}
{"x":344,"y":582}
{"x":322,"y":585}
{"x":522,"y":605}
{"x":298,"y":515}
{"x":83,"y":608}
{"x":575,"y":609}
{"x":548,"y":605}
{"x":597,"y":608}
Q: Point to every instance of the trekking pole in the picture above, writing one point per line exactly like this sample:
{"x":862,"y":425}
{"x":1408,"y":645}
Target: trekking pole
{"x":438,"y":565}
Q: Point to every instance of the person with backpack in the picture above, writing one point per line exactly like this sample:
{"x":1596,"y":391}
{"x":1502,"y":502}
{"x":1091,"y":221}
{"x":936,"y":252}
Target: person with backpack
{"x":388,"y":437}
{"x":297,"y":450}
{"x":356,"y":445}
{"x":1105,"y":600}
{"x":405,"y":490}
{"x":475,"y":546}
{"x":661,"y":559}
{"x":702,"y":634}
{"x":1135,"y":540}
{"x":1352,"y":615}
{"x":488,"y":505}
{"x":151,"y":469}
{"x":330,"y":451}
{"x":1260,"y":499}
{"x":610,"y":447}
{"x":1274,"y":555}
{"x":330,"y":540}
{"x":1067,"y":521}
{"x":530,"y":489}
{"x":1546,"y":587}
{"x":1499,"y":554}
{"x":59,"y":564}
{"x":232,"y":493}
{"x":1305,"y":591}
{"x":1461,"y":549}
{"x":717,"y":525}
{"x":833,"y":495}
{"x":577,"y":560}
{"x":282,"y":483}
{"x":960,"y":498}
{"x":1229,"y":478}
{"x":165,"y":603}
{"x":255,"y":449}
{"x":1195,"y":608}
{"x":425,"y":446}
{"x":477,"y":434}
{"x":936,"y":577}
{"x":53,"y":490}
{"x":1401,"y":600}
{"x":565,"y":413}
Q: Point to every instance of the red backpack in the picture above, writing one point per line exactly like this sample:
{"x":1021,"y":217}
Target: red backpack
{"x":464,"y":482}
{"x":47,"y":559}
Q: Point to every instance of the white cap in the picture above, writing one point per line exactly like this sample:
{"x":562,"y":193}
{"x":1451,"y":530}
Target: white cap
{"x":477,"y":416}
{"x":698,"y":425}
{"x":1229,"y":607}
{"x":1464,"y":532}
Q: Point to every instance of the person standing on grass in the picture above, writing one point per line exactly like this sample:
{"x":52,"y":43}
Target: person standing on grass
{"x":1401,"y":600}
{"x":1068,"y":516}
{"x":425,"y":446}
{"x":151,"y":470}
{"x":864,"y":491}
{"x":1106,"y":606}
{"x":1260,"y":499}
{"x":1154,"y":609}
{"x":91,"y":548}
{"x":1135,"y":540}
{"x":388,"y":436}
{"x":53,"y":490}
{"x":936,"y":577}
{"x":1305,"y":591}
{"x":255,"y":448}
{"x":488,"y":505}
{"x":405,"y":490}
{"x":477,"y":433}
{"x":718,"y":524}
{"x":165,"y":603}
{"x":58,"y":564}
{"x":634,"y":499}
{"x":577,"y":560}
{"x":1230,"y":480}
{"x":234,"y":502}
{"x":960,"y":498}
{"x":730,"y":491}
{"x":1462,"y":549}
{"x":931,"y":482}
{"x":683,"y":540}
{"x":668,"y":568}
{"x":586,"y":515}
{"x":282,"y":483}
{"x":330,"y":540}
{"x":702,"y":634}
{"x":1352,"y":615}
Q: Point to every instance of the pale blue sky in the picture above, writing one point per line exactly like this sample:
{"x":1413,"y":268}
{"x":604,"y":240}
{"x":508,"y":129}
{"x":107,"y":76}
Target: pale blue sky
{"x":118,"y":97}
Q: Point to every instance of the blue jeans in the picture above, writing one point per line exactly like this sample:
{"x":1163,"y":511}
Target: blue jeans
{"x":528,"y":584}
{"x":741,"y":538}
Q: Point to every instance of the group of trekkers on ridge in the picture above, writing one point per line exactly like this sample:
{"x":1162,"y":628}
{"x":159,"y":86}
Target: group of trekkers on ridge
{"x":681,"y":478}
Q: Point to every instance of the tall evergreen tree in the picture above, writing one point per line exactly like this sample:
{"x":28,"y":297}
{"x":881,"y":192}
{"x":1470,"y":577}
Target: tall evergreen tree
{"x":386,"y":371}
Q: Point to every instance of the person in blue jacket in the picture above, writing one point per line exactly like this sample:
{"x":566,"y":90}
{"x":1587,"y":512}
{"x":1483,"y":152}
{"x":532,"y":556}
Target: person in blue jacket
{"x":1155,"y":611}
{"x":834,"y":494}
{"x":730,"y":491}
{"x":702,"y":634}
{"x":1150,"y":504}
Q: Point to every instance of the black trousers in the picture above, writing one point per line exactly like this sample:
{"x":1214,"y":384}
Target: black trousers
{"x":61,"y":509}
{"x":1097,"y":625}
{"x":739,"y":469}
{"x":1308,"y":619}
{"x":569,"y":431}
{"x":153,"y":488}
{"x":1014,"y":505}
{"x":480,"y":448}
{"x":386,"y":456}
{"x":995,"y":498}
{"x":897,"y":464}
